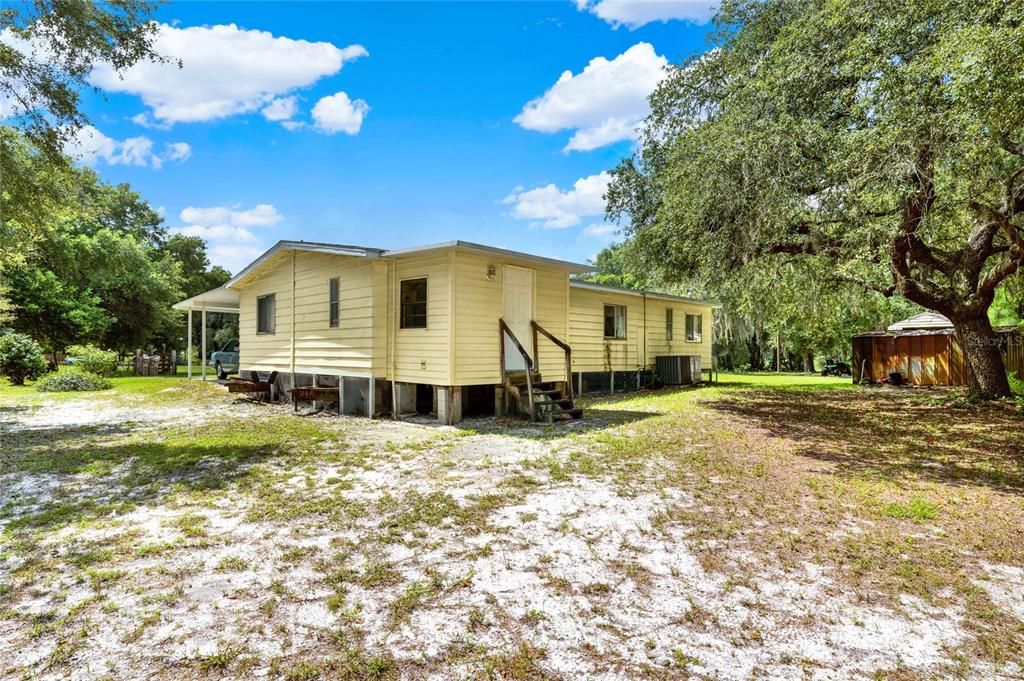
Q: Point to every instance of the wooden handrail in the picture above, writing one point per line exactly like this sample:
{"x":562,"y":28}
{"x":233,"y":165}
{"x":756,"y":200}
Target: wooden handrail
{"x":565,"y":348}
{"x":547,"y":334}
{"x":519,"y":346}
{"x":504,"y":329}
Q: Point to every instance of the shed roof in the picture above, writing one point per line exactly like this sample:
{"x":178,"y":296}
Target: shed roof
{"x":925,"y":320}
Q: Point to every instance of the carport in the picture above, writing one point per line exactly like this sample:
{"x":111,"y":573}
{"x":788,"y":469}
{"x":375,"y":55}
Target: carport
{"x":217,"y":300}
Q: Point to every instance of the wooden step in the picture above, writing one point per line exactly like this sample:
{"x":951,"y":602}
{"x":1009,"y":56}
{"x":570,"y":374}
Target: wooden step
{"x":519,"y":377}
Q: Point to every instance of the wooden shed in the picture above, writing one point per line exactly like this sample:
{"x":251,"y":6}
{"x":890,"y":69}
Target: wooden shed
{"x":926,"y":351}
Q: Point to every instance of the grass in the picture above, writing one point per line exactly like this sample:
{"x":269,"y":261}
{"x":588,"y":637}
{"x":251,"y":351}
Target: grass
{"x":892,"y":492}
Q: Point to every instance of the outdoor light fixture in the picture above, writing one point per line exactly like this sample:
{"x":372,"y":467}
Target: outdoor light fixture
{"x":492,"y":272}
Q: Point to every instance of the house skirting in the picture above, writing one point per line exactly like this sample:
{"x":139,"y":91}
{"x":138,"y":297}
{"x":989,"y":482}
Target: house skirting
{"x":376,"y":397}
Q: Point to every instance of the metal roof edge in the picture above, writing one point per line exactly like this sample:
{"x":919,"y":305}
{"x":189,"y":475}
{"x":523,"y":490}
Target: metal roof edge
{"x":311,"y":246}
{"x":578,"y":283}
{"x":483,"y":248}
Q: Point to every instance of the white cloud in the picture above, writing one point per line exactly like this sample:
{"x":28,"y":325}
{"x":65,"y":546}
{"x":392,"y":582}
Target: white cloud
{"x":337,"y":113}
{"x":550,"y":207}
{"x":142,"y":119}
{"x":281,"y":109}
{"x":178,"y":151}
{"x":226,"y":70}
{"x":604,"y":103}
{"x":636,"y":13}
{"x":228,"y":231}
{"x":601,"y":230}
{"x":90,"y":146}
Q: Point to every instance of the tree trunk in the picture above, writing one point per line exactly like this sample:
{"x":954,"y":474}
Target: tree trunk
{"x":986,"y":370}
{"x":755,"y":352}
{"x":809,"y":362}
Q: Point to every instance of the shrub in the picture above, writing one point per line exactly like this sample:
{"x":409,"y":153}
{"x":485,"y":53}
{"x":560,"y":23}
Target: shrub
{"x":1016,"y":385}
{"x":94,"y":360}
{"x":71,"y":381}
{"x":20,"y":357}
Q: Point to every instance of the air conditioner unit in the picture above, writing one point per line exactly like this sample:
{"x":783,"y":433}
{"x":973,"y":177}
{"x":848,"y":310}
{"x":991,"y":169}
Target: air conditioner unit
{"x":677,"y":369}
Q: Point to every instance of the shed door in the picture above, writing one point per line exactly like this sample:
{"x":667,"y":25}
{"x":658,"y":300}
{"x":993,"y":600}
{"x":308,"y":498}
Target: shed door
{"x":518,"y":313}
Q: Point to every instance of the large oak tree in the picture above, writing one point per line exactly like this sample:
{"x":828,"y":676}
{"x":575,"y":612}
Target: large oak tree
{"x":881,"y":141}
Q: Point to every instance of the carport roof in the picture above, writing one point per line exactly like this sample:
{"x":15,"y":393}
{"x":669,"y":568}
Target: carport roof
{"x":216,"y":300}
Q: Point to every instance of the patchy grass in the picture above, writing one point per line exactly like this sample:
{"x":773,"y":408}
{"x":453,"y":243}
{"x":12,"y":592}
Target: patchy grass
{"x":768,"y":526}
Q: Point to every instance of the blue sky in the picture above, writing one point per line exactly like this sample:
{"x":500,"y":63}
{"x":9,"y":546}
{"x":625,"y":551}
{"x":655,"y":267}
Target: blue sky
{"x":387,"y":124}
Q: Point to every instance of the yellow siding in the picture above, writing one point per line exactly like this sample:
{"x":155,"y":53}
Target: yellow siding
{"x":592,"y":352}
{"x":550,"y":311}
{"x":657,"y":344}
{"x":266,"y":351}
{"x":347,"y":348}
{"x":460,"y":345}
{"x":421,"y":355}
{"x":478,"y":307}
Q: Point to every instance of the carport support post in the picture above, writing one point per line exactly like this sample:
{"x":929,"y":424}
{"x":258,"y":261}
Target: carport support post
{"x":202,"y":361}
{"x":189,"y":342}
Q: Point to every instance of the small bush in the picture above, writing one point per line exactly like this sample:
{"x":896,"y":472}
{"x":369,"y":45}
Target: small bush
{"x":94,"y":360}
{"x":1016,"y":384}
{"x":71,"y":381}
{"x":21,"y":358}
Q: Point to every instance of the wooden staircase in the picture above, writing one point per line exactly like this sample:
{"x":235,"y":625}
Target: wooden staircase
{"x":550,"y":403}
{"x":532,"y":396}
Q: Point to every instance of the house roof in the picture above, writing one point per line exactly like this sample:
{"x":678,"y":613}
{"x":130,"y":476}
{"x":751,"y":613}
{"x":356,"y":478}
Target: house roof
{"x":481,"y":248}
{"x":272,"y":255}
{"x":591,"y":286}
{"x":925,"y":320}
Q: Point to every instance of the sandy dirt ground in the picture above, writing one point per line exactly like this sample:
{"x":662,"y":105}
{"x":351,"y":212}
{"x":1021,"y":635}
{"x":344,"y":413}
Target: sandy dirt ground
{"x":405,"y":549}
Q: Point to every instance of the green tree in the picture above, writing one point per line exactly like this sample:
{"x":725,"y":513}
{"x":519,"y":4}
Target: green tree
{"x":48,"y":50}
{"x":106,"y":272}
{"x":882,"y":142}
{"x":197,"y":275}
{"x":20,"y":358}
{"x":615,"y":267}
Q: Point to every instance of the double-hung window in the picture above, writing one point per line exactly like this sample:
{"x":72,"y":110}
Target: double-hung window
{"x":614,"y":321}
{"x":694,"y":322}
{"x":334,"y":307}
{"x":266,"y":313}
{"x":413,"y":304}
{"x":668,"y":323}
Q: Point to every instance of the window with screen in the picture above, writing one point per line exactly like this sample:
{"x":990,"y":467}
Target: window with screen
{"x":413,"y":297}
{"x":693,"y":327}
{"x":266,"y":312}
{"x":334,"y":306}
{"x":668,"y":323}
{"x":614,"y":321}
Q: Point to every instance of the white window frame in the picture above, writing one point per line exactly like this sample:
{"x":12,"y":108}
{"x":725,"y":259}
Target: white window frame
{"x":426,"y":304}
{"x":271,"y":327}
{"x":696,"y":334}
{"x":334,"y":302}
{"x":619,"y":321}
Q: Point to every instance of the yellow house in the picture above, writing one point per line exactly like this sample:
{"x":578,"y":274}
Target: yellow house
{"x":449,"y":329}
